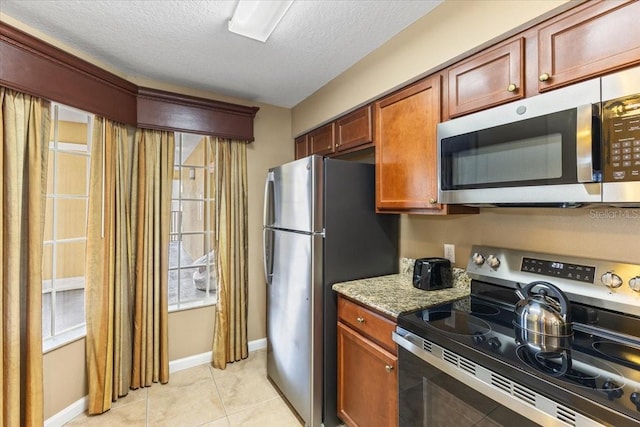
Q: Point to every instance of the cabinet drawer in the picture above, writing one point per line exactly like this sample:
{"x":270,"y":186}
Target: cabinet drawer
{"x":368,"y":323}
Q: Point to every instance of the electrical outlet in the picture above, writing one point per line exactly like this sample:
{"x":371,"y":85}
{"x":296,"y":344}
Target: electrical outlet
{"x":450,"y":252}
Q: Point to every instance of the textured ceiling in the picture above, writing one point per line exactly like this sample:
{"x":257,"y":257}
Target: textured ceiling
{"x":186,"y":42}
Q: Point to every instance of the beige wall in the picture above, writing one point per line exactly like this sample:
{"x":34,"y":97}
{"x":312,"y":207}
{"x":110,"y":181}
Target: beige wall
{"x":451,"y":29}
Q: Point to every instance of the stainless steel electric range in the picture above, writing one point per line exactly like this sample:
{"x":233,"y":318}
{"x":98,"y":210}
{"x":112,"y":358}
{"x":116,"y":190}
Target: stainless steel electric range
{"x":476,"y":362}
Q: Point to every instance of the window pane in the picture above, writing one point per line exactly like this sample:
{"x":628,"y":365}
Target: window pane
{"x":71,"y":176}
{"x":192,"y":183}
{"x":69,"y":309}
{"x":47,"y":262}
{"x":192,"y":216}
{"x":48,"y":219}
{"x":69,"y":259}
{"x":71,"y":218}
{"x":72,"y":136}
{"x":46,"y":315}
{"x":193,"y":150}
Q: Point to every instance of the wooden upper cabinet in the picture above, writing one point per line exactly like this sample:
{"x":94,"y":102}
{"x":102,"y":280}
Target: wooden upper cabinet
{"x":405,"y":135}
{"x":322,"y":140}
{"x":487,"y":79}
{"x":596,"y":39}
{"x":354,"y":130}
{"x":302,"y":146}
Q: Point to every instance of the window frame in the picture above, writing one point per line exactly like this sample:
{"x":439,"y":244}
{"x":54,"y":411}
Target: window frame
{"x":56,"y":339}
{"x":207,"y":234}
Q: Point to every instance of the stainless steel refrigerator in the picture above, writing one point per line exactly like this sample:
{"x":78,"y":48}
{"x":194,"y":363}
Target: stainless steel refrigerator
{"x":320,"y":227}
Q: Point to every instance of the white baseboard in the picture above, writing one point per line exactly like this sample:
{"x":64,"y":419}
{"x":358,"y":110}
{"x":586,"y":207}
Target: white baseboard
{"x":80,"y":406}
{"x":67,"y":414}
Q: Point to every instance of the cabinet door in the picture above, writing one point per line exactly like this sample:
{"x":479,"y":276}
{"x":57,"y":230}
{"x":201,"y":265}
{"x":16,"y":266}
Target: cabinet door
{"x":597,"y":39}
{"x":487,"y":79}
{"x":367,"y":381}
{"x":405,"y":135}
{"x":354,"y":129}
{"x":302,"y":146}
{"x":321,"y":140}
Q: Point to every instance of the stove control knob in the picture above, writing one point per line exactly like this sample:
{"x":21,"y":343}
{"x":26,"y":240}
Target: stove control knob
{"x":493,"y":261}
{"x":494,"y":343}
{"x":479,"y":338}
{"x":635,"y":399}
{"x":634,"y":283}
{"x":478,"y":259}
{"x":611,"y":280}
{"x":613,"y":390}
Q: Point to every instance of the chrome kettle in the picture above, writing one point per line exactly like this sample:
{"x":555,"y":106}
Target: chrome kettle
{"x":543,"y":323}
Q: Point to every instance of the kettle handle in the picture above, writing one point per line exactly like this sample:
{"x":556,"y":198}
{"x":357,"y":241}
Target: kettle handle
{"x":525,"y":293}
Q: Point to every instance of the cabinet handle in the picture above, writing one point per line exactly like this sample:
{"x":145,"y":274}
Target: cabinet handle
{"x":512,"y":87}
{"x":328,"y":147}
{"x":433,"y":201}
{"x":544,"y":77}
{"x":360,"y":319}
{"x":388,"y":368}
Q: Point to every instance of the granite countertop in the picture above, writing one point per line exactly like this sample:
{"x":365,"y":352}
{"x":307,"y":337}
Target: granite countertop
{"x":394,"y":294}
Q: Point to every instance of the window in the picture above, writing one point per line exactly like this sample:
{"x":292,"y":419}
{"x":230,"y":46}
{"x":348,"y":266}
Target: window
{"x":65,"y":235}
{"x":192,"y":272}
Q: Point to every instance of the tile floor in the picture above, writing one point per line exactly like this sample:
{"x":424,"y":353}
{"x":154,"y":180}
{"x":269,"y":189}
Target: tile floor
{"x":240,"y":395}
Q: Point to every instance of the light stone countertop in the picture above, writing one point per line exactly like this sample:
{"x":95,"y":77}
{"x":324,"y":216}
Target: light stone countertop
{"x":394,"y":294}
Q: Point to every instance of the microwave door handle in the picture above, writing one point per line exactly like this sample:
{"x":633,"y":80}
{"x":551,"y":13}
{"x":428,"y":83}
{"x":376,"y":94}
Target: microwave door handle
{"x":584,"y":143}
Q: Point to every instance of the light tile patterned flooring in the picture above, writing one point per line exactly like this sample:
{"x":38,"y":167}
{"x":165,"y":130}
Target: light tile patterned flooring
{"x":240,"y":395}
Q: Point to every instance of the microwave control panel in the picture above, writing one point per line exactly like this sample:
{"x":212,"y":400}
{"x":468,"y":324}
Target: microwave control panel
{"x":621,"y":136}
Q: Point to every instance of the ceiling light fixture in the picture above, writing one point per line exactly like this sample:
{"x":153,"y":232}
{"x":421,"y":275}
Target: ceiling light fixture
{"x":257,"y":19}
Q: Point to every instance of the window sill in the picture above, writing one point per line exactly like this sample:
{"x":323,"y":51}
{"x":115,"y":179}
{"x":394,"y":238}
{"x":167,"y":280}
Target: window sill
{"x":192,"y":304}
{"x":53,"y":343}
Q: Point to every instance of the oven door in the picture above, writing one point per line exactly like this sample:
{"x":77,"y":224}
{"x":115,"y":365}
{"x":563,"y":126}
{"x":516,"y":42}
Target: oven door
{"x":544,"y":149}
{"x":437,"y":387}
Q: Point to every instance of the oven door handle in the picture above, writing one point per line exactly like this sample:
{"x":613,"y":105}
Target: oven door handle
{"x":403,"y":339}
{"x":584,"y":143}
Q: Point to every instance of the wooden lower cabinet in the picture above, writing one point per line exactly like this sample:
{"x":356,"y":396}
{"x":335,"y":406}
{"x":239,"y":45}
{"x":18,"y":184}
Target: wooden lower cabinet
{"x":367,"y":379}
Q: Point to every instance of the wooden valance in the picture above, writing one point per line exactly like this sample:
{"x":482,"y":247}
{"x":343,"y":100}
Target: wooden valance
{"x":32,"y":66}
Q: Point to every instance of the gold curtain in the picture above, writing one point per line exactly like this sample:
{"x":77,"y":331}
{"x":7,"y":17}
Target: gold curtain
{"x":230,"y":227}
{"x":108,"y":307}
{"x":152,"y":175}
{"x":24,"y":148}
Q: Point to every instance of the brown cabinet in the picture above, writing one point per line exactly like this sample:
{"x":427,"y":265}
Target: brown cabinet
{"x":302,"y":146}
{"x":588,"y":41}
{"x":352,"y":132}
{"x":355,"y":130}
{"x":367,"y":367}
{"x":322,"y":140}
{"x":490,"y":78}
{"x":405,"y":135}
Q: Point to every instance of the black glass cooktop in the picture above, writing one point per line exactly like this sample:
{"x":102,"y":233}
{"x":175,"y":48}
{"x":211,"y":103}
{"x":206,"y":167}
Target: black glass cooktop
{"x":592,"y":366}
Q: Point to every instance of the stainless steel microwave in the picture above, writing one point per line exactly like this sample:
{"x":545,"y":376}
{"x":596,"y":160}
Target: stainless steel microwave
{"x":573,"y":146}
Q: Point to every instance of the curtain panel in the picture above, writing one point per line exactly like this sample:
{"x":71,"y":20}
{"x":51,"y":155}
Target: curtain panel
{"x":24,"y":147}
{"x":230,"y":226}
{"x":152,"y":175}
{"x":108,"y":268}
{"x":127,"y":262}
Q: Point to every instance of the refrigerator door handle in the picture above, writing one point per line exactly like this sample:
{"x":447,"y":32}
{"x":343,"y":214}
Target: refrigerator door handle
{"x":268,"y":237}
{"x":269,"y":207}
